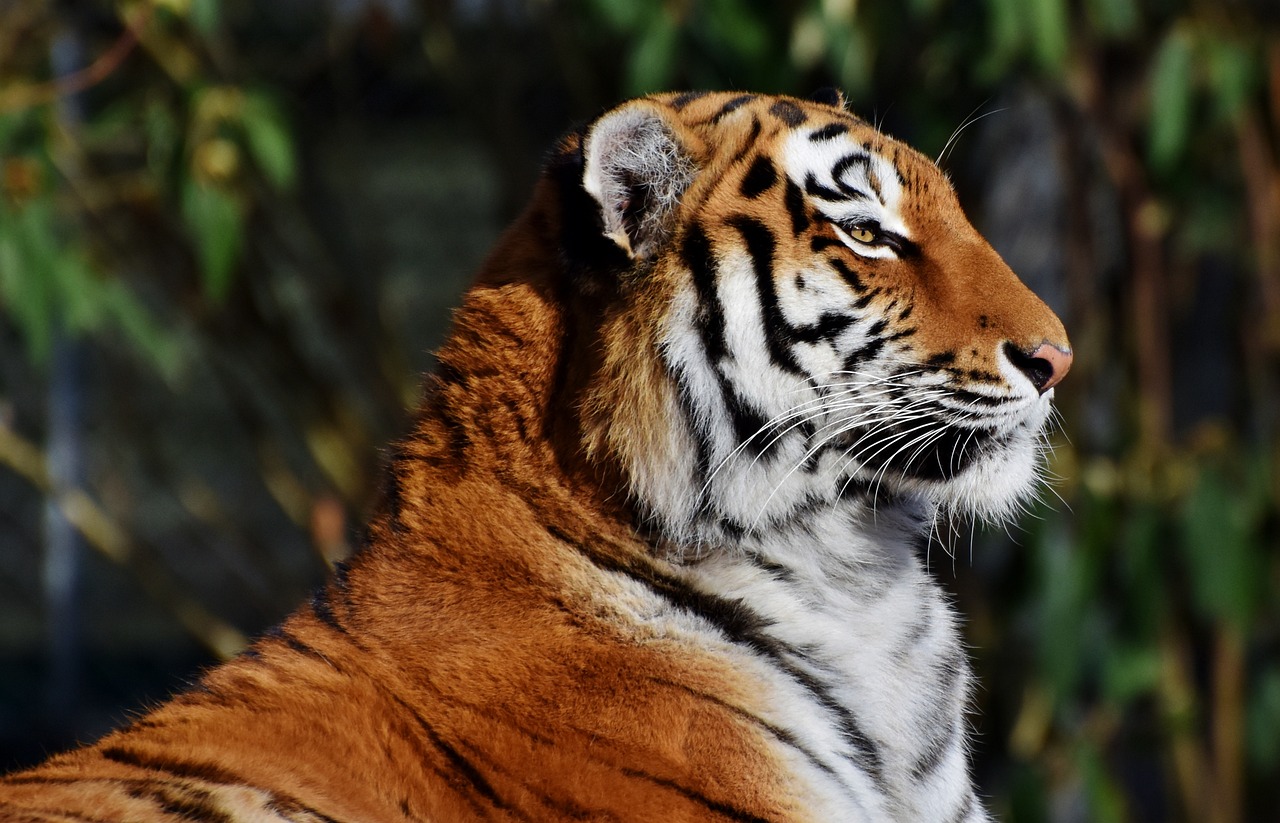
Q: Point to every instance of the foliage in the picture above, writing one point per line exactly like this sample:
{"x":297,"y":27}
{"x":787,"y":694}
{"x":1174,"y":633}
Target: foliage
{"x":1129,"y":645}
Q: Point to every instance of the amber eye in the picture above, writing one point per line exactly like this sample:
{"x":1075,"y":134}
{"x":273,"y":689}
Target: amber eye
{"x":862,"y":234}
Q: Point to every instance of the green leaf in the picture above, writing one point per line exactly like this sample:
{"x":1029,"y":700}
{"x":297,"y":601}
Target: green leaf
{"x":1115,"y":19}
{"x":1007,"y":32}
{"x":1170,"y":89}
{"x":1049,"y":32}
{"x":74,"y":288}
{"x":1104,"y":797}
{"x":163,"y":138}
{"x":216,"y":223}
{"x":1142,"y":558}
{"x":742,"y":32}
{"x":855,"y":63}
{"x":1263,"y":735}
{"x":1233,"y":72}
{"x":924,"y":8}
{"x":205,"y":16}
{"x":12,"y":126}
{"x":124,"y":311}
{"x":1063,"y":594}
{"x":1224,"y":553}
{"x":652,"y":60}
{"x":269,"y":141}
{"x":26,"y":247}
{"x":625,"y":15}
{"x":1130,"y":672}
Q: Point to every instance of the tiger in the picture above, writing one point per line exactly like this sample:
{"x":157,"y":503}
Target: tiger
{"x":655,"y":546}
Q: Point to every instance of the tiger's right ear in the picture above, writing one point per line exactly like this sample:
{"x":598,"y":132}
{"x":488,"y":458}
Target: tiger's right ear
{"x":636,"y":170}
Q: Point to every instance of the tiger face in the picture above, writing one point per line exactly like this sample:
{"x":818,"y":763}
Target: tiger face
{"x":821,"y":321}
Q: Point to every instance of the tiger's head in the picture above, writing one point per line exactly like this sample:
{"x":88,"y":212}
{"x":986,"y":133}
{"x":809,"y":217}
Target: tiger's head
{"x":797,"y":313}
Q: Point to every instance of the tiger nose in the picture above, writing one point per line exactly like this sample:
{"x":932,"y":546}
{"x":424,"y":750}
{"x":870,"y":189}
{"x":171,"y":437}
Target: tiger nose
{"x":1045,"y":367}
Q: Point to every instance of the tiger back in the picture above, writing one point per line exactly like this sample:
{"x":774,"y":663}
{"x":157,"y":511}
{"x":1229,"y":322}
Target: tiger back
{"x":654,"y":546}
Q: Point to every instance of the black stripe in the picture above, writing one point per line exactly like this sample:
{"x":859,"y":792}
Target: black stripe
{"x":760,"y":245}
{"x":969,"y":398}
{"x":565,"y":808}
{"x":682,"y":100}
{"x":861,"y":489}
{"x":748,"y":423}
{"x":737,"y":622}
{"x":323,"y":610}
{"x":842,"y":167}
{"x":49,"y":815}
{"x":935,"y":750}
{"x":306,"y":649}
{"x":290,"y":809}
{"x":747,"y":145}
{"x":462,"y":767}
{"x":775,"y":569}
{"x":788,"y":112}
{"x":732,"y":106}
{"x":392,"y":499}
{"x":164,"y":763}
{"x":815,"y":189}
{"x":184,"y":802}
{"x":850,"y":276}
{"x":759,"y":178}
{"x":829,"y":131}
{"x":865,"y":300}
{"x":696,"y":252}
{"x":828,"y":327}
{"x":38,"y":779}
{"x":980,"y":376}
{"x":794,"y":201}
{"x":777,"y":732}
{"x":275,"y":801}
{"x":456,"y":430}
{"x":965,"y":808}
{"x":716,"y":806}
{"x":862,"y":354}
{"x":701,"y":434}
{"x":338,"y":585}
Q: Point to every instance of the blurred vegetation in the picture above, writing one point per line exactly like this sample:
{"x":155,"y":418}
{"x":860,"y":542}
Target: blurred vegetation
{"x":159,"y":201}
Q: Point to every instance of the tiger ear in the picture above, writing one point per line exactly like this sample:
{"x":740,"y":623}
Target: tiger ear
{"x":830,"y":96}
{"x":636,"y":170}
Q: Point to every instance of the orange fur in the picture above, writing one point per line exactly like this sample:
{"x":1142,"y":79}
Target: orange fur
{"x":474,"y":659}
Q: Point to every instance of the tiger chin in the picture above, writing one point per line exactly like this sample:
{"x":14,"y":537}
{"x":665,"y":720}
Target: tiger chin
{"x":652,"y":549}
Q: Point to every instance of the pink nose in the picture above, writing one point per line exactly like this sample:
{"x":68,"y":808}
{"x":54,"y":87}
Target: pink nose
{"x":1045,"y":367}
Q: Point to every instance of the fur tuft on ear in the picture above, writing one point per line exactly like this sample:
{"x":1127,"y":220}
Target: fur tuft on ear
{"x":636,"y":170}
{"x":829,"y":95}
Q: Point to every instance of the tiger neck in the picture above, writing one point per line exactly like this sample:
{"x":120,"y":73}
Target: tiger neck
{"x":502,"y":408}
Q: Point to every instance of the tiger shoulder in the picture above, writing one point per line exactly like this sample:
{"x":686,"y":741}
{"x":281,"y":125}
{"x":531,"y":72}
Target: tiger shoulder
{"x":653,"y":548}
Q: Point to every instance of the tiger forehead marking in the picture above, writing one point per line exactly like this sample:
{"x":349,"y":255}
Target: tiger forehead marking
{"x":850,"y":182}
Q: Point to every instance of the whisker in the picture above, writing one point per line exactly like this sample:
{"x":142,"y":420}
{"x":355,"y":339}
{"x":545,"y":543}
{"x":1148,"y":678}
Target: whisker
{"x":955,"y":135}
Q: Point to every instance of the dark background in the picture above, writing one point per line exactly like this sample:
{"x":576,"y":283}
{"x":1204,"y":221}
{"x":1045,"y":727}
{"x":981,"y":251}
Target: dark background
{"x":231,"y":234}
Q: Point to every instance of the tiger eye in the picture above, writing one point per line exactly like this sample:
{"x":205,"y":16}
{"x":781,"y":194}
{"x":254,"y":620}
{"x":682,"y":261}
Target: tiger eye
{"x":863,"y":235}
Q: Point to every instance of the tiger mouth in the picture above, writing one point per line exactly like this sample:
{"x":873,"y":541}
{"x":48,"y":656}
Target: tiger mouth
{"x":941,"y":453}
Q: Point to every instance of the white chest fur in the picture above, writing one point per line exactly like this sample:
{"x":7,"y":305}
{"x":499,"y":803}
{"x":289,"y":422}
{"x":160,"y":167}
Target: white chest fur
{"x":864,"y":657}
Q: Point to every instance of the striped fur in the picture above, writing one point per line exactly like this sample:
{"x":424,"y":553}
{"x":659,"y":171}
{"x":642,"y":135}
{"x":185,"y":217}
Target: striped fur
{"x":653,"y":548}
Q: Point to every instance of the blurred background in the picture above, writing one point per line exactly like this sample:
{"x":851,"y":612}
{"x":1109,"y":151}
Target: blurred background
{"x":231,"y":233}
